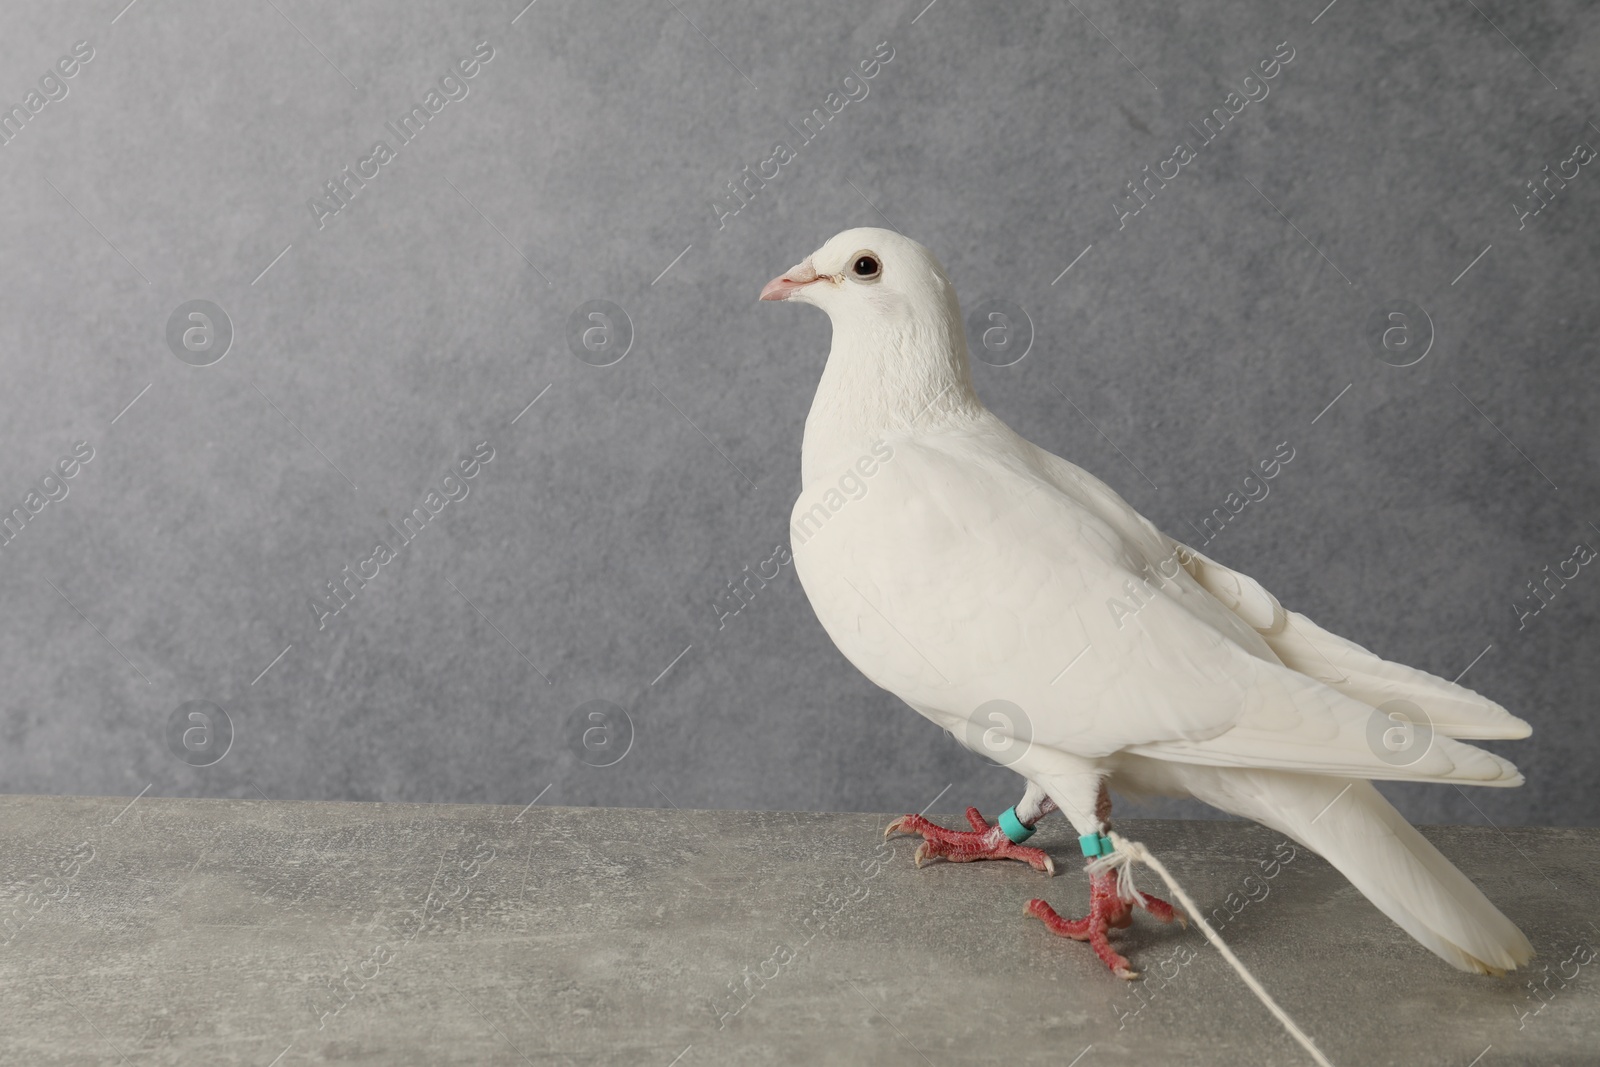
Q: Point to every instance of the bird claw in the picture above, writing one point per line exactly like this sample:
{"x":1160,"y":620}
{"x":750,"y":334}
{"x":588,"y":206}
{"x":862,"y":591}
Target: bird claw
{"x":1162,"y":911}
{"x":1107,"y":911}
{"x":982,"y":842}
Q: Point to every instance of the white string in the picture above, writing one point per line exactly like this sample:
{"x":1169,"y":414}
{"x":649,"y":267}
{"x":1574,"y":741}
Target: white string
{"x":1130,"y":851}
{"x":1119,"y":863}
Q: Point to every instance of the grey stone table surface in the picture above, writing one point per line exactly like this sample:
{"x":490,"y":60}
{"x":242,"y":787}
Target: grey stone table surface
{"x":236,"y":932}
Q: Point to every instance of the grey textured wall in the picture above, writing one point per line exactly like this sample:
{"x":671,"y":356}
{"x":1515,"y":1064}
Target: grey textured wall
{"x":374,"y":348}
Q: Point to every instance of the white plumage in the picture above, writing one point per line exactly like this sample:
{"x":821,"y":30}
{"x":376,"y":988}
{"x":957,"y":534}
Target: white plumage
{"x":971,"y":566}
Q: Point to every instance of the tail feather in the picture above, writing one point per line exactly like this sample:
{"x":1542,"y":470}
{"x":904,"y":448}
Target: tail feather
{"x":1301,"y":645}
{"x":1351,"y":825}
{"x":1453,"y":710}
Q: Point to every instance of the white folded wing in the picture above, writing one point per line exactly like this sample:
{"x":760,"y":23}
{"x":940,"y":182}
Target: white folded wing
{"x":977,"y":567}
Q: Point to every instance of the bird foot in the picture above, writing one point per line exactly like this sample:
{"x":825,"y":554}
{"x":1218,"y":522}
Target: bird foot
{"x":982,"y":842}
{"x":1107,"y":911}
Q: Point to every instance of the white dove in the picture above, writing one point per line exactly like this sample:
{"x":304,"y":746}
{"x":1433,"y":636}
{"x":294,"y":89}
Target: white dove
{"x":969,"y":572}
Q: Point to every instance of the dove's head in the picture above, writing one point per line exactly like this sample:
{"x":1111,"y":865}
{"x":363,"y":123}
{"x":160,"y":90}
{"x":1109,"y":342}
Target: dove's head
{"x":870,"y":279}
{"x":898,"y":346}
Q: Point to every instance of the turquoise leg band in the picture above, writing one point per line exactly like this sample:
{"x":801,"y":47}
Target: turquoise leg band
{"x":1096,"y":845}
{"x":1013,"y":827}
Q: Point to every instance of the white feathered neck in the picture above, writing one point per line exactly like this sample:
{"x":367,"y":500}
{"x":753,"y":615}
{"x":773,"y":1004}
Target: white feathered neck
{"x":896,"y":366}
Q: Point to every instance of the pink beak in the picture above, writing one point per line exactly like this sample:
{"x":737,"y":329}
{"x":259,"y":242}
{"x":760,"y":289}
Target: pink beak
{"x":793,"y":279}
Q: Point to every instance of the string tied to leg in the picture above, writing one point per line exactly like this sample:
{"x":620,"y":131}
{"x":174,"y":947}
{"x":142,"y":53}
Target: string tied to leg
{"x":1125,"y":854}
{"x":1108,"y":859}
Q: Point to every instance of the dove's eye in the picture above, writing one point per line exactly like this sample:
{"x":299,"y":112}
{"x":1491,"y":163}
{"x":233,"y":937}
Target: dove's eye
{"x":866,"y":266}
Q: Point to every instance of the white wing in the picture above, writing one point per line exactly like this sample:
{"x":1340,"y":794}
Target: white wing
{"x":1302,"y":645}
{"x":975,"y":568}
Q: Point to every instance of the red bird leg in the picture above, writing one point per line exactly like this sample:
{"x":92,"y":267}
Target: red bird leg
{"x":982,"y":842}
{"x":1107,"y":911}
